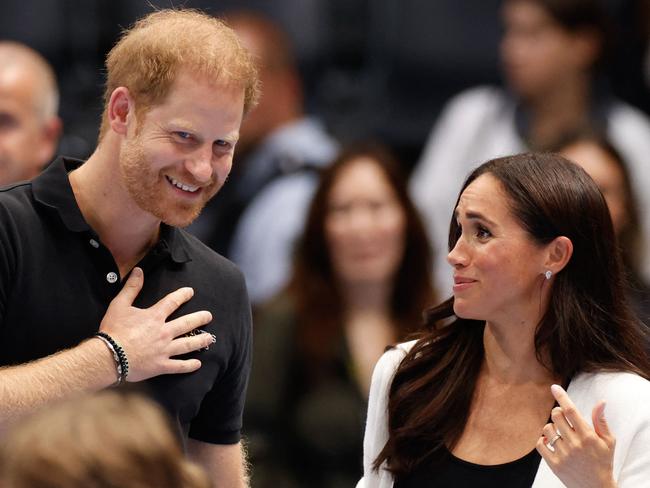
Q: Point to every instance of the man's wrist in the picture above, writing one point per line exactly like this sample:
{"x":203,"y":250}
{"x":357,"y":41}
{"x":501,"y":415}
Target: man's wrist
{"x":119,"y":356}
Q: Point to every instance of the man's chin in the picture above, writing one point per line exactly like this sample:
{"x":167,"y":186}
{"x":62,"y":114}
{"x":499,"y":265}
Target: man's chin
{"x":180,"y":218}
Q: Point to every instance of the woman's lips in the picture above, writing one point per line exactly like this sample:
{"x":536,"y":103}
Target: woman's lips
{"x":462,"y":283}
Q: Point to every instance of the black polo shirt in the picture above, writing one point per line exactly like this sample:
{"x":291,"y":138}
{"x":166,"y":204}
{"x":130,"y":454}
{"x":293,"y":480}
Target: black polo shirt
{"x":57,"y":280}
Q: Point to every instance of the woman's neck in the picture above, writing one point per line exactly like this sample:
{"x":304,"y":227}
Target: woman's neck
{"x":510,"y":354}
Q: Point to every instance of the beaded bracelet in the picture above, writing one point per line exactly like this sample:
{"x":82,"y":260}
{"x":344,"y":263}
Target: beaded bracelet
{"x":119,"y":355}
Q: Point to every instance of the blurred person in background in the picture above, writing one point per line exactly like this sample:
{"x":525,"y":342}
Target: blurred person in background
{"x":552,"y":52}
{"x":102,"y":440}
{"x":279,"y":149}
{"x":606,"y":167}
{"x":29,"y":125}
{"x":360,"y":282}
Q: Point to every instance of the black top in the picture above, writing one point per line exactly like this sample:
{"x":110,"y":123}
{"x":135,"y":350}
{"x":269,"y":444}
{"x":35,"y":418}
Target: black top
{"x":304,"y":424}
{"x":57,"y":280}
{"x":456,"y":473}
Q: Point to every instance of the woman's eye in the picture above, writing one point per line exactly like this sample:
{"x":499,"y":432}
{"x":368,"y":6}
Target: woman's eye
{"x":483,"y":233}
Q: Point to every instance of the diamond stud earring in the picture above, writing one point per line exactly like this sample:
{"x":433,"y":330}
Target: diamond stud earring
{"x":548,"y":274}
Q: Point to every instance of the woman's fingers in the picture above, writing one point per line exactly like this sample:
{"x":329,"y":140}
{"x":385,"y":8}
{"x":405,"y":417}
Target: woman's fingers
{"x":600,"y":424}
{"x":571,"y":413}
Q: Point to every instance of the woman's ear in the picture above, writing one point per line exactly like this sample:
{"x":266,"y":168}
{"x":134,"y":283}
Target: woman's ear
{"x":559,"y":252}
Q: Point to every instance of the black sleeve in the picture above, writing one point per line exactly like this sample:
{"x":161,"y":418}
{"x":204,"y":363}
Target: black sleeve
{"x":7,"y":258}
{"x":219,"y":420}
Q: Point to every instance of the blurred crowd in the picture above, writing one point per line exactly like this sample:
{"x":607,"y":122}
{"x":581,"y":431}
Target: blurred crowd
{"x":344,"y":179}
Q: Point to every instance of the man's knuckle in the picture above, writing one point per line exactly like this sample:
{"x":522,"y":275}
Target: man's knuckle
{"x":174,"y":303}
{"x":188,"y":324}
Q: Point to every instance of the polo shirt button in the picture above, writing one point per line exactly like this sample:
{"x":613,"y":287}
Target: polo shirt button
{"x":111,"y":277}
{"x":94,"y":243}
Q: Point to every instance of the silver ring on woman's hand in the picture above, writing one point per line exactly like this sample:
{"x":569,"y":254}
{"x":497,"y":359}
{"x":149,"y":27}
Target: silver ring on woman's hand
{"x":555,"y":438}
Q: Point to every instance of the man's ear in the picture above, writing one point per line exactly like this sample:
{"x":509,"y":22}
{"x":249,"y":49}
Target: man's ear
{"x":559,"y":252}
{"x":50,"y":133}
{"x":121,"y":108}
{"x":587,"y":47}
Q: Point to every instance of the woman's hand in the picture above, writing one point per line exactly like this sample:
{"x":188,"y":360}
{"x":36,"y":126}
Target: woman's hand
{"x":581,"y":456}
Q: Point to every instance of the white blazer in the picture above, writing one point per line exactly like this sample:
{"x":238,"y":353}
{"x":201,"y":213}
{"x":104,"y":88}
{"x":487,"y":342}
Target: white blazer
{"x":627,"y":413}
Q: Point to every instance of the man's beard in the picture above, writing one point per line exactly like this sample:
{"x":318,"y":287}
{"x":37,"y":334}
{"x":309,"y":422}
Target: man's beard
{"x":146,"y":187}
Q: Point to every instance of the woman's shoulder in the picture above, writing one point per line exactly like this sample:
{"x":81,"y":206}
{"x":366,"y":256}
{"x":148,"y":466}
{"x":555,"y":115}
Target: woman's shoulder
{"x":393,"y":356}
{"x":626,"y":395}
{"x":612,"y":383}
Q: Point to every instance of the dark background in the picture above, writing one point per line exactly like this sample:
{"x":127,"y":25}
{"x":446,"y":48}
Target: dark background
{"x":372,"y":68}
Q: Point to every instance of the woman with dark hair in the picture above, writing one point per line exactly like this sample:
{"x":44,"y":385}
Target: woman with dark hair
{"x":595,"y":154}
{"x":360,"y":282}
{"x":507,"y":386}
{"x":551,"y":54}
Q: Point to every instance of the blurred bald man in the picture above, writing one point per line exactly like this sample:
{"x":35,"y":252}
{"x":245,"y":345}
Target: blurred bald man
{"x":29,"y":125}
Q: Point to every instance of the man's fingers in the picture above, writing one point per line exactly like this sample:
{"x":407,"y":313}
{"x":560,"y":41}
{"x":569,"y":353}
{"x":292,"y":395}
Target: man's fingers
{"x":179,"y":366}
{"x":186,"y":323}
{"x":170,"y":302}
{"x":569,"y":409}
{"x":184,"y":345}
{"x":131,"y":287}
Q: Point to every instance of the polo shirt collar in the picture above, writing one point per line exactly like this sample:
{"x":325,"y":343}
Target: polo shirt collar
{"x":52,"y":189}
{"x":171,"y":238}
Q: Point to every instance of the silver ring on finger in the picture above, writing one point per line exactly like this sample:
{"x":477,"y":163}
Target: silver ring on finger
{"x":555,"y":438}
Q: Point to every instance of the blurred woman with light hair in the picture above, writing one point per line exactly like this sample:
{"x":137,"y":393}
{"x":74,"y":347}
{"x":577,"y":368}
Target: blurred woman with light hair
{"x":109,"y":439}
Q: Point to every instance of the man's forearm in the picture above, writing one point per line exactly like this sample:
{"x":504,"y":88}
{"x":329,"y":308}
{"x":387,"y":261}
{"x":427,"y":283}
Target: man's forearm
{"x":24,"y":388}
{"x":224,"y":464}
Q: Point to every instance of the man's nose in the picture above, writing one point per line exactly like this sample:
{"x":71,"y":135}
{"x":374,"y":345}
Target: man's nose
{"x":200,"y":166}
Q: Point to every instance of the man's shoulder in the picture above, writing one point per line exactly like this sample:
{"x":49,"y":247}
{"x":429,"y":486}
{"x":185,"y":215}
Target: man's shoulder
{"x":207,"y":258}
{"x":16,"y":193}
{"x":17,"y":202}
{"x":627,"y":123}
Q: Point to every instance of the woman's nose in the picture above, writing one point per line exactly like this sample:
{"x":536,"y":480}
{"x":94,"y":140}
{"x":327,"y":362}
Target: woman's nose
{"x":458,"y":255}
